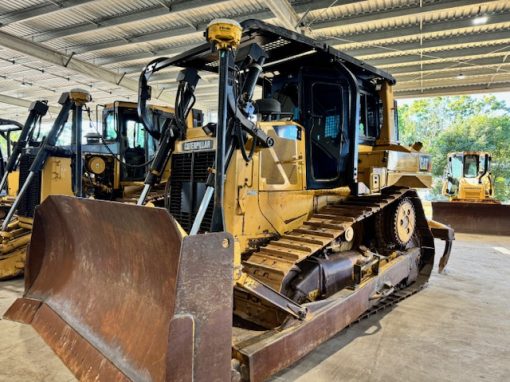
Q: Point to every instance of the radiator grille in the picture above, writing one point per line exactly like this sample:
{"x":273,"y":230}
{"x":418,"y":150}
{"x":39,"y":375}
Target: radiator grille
{"x":32,"y":195}
{"x":187,"y":186}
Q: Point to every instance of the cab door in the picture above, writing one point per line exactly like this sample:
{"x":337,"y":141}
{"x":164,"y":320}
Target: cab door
{"x":324,"y":103}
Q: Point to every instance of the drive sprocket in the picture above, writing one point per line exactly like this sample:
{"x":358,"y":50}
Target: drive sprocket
{"x":396,"y":225}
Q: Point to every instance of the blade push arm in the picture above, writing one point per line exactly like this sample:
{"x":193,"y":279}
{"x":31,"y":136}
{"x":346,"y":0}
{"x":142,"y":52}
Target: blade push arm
{"x":225,"y":38}
{"x":174,"y":128}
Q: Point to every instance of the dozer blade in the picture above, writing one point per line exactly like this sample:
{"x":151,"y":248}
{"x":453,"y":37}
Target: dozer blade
{"x":120,"y":295}
{"x":477,"y":218}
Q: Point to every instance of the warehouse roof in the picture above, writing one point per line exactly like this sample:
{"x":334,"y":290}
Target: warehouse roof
{"x":431,"y":46}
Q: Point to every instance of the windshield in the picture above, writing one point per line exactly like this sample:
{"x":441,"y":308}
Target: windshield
{"x":110,"y":127}
{"x":470,"y":166}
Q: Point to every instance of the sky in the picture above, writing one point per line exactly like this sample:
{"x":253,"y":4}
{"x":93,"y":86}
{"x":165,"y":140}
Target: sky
{"x":504,"y":96}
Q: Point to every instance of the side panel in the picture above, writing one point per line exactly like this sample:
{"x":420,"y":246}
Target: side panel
{"x":13,"y":182}
{"x":381,"y":168}
{"x":56,"y":177}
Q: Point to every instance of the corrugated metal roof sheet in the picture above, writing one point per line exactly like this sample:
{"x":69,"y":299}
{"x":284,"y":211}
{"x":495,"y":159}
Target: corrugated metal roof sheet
{"x":92,"y":29}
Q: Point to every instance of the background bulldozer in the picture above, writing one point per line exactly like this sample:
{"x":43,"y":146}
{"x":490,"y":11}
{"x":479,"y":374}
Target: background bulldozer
{"x":7,"y":127}
{"x":286,"y":221}
{"x":468,"y":177}
{"x":469,"y":184}
{"x":10,"y":173}
{"x":113,"y":163}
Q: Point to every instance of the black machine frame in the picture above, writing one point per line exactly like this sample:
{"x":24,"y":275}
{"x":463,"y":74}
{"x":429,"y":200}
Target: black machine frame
{"x":281,"y":51}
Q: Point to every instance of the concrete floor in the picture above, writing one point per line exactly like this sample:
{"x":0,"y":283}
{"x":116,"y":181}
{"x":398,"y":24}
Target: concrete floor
{"x":457,"y":329}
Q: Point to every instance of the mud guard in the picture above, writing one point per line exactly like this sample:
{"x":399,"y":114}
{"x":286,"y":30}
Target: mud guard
{"x":119,"y":295}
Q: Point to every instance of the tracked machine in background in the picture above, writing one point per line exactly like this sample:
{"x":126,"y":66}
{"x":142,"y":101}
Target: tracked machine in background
{"x":27,"y":137}
{"x":7,"y":127}
{"x":117,"y":158}
{"x":469,"y":184}
{"x":285,"y":222}
{"x":112,"y":162}
{"x":468,"y":177}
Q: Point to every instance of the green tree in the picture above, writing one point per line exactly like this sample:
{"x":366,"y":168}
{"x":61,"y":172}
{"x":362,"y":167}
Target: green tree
{"x":460,"y":123}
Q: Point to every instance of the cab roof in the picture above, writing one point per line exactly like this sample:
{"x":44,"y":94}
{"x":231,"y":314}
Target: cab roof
{"x":134,"y":105}
{"x":286,"y":51}
{"x":458,"y":153}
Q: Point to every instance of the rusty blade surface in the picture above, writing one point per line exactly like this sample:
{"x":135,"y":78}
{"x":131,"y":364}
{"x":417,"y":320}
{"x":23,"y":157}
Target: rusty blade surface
{"x":204,"y":305}
{"x":477,"y":218}
{"x":106,"y":275}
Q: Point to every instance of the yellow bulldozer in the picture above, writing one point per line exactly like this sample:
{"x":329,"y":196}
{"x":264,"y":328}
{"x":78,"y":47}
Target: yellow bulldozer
{"x":468,"y":177}
{"x":285,"y":221}
{"x":469,"y":185}
{"x":113,"y":163}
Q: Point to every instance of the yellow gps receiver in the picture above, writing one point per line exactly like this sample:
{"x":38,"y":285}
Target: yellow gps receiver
{"x":224,"y":33}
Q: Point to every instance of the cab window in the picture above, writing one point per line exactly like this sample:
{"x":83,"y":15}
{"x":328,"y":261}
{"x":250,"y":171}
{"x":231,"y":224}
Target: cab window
{"x":326,"y":130}
{"x":470,"y":166}
{"x":285,"y":91}
{"x":135,"y":134}
{"x":65,"y":138}
{"x":369,"y":117}
{"x":110,"y":127}
{"x":456,"y":167}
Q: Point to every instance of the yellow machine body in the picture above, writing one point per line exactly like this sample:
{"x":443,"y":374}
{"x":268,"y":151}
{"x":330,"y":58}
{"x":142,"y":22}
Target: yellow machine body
{"x":293,"y":253}
{"x":268,"y":196}
{"x":56,"y":177}
{"x":101,"y":164}
{"x":12,"y":181}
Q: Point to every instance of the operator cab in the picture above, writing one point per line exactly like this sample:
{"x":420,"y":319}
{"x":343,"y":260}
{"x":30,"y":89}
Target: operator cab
{"x":123,"y":134}
{"x":320,"y":99}
{"x":470,"y":165}
{"x":333,"y":96}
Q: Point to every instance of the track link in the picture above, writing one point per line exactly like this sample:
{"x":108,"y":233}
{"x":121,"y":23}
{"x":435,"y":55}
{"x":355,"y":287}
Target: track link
{"x":390,"y":301}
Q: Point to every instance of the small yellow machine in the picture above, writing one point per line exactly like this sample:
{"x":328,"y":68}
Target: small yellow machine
{"x":469,"y":184}
{"x":468,"y":177}
{"x":285,"y":221}
{"x":115,"y":162}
